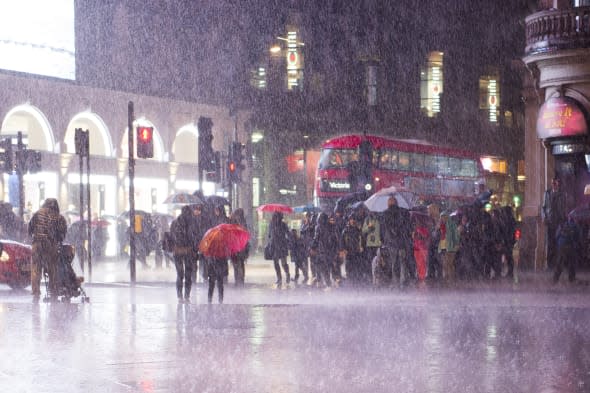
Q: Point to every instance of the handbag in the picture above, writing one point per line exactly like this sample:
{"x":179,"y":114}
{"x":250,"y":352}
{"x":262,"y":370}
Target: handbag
{"x":268,"y":254}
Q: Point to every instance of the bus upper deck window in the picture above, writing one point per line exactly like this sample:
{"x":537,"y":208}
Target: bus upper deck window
{"x":385,"y":160}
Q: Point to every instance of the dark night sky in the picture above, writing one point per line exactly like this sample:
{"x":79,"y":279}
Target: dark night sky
{"x":203,"y":50}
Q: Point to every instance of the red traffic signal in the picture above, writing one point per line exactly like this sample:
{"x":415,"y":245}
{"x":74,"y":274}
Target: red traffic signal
{"x":145,"y":142}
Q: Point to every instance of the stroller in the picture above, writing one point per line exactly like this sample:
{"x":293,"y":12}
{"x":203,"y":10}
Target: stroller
{"x":68,"y":284}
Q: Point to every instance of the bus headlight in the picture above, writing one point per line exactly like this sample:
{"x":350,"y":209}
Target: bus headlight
{"x":368,"y":187}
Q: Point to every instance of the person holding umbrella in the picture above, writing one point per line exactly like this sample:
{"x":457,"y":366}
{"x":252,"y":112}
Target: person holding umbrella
{"x":238,"y":260}
{"x":184,"y":252}
{"x":220,"y":243}
{"x":278,"y":238}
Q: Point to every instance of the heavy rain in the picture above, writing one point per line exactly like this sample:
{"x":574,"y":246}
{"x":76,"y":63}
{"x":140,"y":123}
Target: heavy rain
{"x":294,"y":196}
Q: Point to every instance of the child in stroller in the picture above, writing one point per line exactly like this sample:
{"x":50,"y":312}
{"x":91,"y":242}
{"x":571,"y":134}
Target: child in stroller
{"x":68,"y":284}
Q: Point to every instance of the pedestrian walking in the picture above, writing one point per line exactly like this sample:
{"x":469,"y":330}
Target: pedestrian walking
{"x":433,"y":260}
{"x":379,"y":271}
{"x":278,"y":238}
{"x":306,"y":232}
{"x":448,"y":245}
{"x":48,"y":229}
{"x":372,"y":240}
{"x":508,"y":238}
{"x":553,"y":214}
{"x":396,"y":229}
{"x":298,"y":251}
{"x":338,"y":222}
{"x":351,"y":247}
{"x":184,"y":252}
{"x":238,"y":260}
{"x":219,"y":217}
{"x":569,"y":246}
{"x":217,"y":270}
{"x":325,"y":249}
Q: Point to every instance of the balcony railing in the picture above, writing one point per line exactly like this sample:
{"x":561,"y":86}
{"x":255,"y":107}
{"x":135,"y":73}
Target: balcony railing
{"x":554,"y":30}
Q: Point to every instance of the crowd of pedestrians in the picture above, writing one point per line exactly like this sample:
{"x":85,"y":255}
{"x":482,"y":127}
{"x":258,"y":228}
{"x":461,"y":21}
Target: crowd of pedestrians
{"x":352,"y":246}
{"x":362,"y":248}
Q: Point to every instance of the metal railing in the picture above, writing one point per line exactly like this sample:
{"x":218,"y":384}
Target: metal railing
{"x":553,"y":30}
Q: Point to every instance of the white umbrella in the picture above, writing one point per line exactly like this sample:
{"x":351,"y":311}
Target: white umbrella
{"x":378,"y":201}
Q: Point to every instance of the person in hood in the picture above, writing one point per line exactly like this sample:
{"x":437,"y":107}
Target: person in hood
{"x":48,"y":229}
{"x":278,"y":238}
{"x":184,"y":252}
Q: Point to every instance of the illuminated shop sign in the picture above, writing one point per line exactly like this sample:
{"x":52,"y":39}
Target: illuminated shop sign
{"x":561,"y":117}
{"x":569,"y":148}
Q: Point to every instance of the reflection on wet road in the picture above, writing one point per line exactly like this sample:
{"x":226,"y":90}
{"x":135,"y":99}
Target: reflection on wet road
{"x":344,"y":342}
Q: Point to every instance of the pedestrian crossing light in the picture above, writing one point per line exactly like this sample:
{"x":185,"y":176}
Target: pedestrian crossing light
{"x":237,"y":157}
{"x":145,"y":142}
{"x":232,"y":171}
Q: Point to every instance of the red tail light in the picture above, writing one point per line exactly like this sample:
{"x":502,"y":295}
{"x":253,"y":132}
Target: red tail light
{"x":517,"y":234}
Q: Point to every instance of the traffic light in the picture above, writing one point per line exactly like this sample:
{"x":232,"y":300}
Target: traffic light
{"x":81,"y":141}
{"x":206,"y":153}
{"x":145,"y":142}
{"x":237,"y":150}
{"x":215,"y":175}
{"x":232,"y":172}
{"x":6,"y":157}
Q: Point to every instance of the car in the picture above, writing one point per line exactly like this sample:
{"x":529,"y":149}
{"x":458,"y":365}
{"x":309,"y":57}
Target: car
{"x":15,"y":264}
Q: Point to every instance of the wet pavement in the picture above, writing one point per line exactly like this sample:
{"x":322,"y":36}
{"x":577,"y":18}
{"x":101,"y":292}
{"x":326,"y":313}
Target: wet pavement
{"x":472,"y":337}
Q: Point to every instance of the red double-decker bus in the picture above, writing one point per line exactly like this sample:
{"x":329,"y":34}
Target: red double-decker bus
{"x":354,"y":163}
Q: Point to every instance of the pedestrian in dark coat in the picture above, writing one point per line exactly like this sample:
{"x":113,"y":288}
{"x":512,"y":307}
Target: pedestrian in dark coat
{"x":11,"y":226}
{"x":307,"y":232}
{"x":508,"y":239}
{"x":325,"y":248}
{"x":338,"y":221}
{"x":298,"y":251}
{"x":351,"y":245}
{"x":48,"y":229}
{"x":201,"y":225}
{"x":396,"y":235}
{"x":569,"y":246}
{"x":553,"y":214}
{"x":184,"y":252}
{"x":278,"y":238}
{"x":238,"y":260}
{"x":220,"y":217}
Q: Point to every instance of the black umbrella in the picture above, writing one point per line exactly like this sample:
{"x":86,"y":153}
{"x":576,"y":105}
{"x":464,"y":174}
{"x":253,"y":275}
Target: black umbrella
{"x":216,"y":200}
{"x":349,"y":199}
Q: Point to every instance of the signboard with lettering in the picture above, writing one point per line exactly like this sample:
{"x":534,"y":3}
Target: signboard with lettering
{"x":561,"y":117}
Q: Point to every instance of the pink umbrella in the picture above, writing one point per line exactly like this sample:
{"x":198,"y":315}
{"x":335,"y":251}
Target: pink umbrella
{"x":275,"y":207}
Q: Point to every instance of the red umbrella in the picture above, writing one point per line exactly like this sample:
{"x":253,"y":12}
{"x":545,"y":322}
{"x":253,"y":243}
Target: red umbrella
{"x":275,"y":207}
{"x":101,"y":223}
{"x":224,"y":240}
